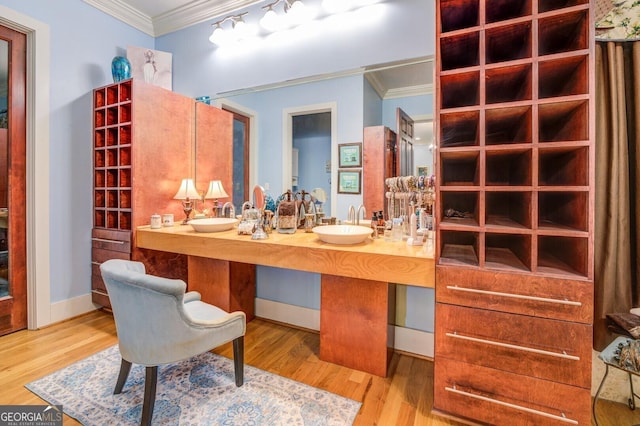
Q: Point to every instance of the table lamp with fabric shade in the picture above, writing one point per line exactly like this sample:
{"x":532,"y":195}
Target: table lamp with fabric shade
{"x":215,"y":192}
{"x":187,"y":193}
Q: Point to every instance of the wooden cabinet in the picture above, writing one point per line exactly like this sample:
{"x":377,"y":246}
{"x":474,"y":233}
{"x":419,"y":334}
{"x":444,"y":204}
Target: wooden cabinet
{"x":106,"y":244}
{"x":379,"y":161}
{"x":514,"y":209}
{"x":145,"y":141}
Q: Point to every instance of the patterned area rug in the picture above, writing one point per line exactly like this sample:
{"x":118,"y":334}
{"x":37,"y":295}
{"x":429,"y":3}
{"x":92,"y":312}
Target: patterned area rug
{"x":200,"y":391}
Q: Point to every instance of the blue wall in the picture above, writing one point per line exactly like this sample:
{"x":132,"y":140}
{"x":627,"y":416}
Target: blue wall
{"x":83,"y":42}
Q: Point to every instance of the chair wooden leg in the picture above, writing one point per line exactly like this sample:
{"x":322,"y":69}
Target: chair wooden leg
{"x":150,"y":381}
{"x":125,"y":367}
{"x":238,"y":360}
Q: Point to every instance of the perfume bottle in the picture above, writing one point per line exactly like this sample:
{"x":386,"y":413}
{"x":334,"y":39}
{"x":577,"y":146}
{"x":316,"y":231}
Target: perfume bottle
{"x":381,"y":222}
{"x":309,"y":222}
{"x":374,"y":225}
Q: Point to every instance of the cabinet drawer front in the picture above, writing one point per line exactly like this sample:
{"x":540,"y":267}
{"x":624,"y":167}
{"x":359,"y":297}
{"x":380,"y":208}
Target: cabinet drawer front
{"x":99,"y":290}
{"x":109,"y":239}
{"x":100,"y":298}
{"x":537,"y":347}
{"x":98,"y":284}
{"x":99,"y":256}
{"x":546,"y":297}
{"x":501,"y":398}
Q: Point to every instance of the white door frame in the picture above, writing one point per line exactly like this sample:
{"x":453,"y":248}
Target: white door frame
{"x":287,"y":144}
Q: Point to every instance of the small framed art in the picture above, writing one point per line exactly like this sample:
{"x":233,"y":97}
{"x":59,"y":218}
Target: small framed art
{"x":422,"y":170}
{"x":350,"y":155}
{"x":349,"y":181}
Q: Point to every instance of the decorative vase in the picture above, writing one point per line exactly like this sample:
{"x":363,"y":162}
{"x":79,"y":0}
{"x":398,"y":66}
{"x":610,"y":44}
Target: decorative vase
{"x":120,"y":68}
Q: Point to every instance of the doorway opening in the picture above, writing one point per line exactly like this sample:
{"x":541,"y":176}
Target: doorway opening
{"x":241,"y":159}
{"x":311,"y":156}
{"x":309,"y":133}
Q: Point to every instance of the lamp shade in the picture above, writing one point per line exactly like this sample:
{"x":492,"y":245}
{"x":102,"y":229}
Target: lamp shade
{"x":216,"y":190}
{"x":187,"y":190}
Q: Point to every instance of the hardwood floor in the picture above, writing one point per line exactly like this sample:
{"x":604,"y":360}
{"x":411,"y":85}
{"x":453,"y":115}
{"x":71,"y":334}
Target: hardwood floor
{"x":403,"y":398}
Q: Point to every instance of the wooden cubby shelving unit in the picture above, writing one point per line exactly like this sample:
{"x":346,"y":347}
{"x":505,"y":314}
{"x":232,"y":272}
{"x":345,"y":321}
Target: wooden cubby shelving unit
{"x":144,"y":144}
{"x":514,"y":276}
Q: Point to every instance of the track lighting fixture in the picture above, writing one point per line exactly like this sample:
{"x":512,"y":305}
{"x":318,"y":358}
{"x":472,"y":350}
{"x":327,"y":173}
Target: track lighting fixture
{"x":280,"y":15}
{"x":240,"y":30}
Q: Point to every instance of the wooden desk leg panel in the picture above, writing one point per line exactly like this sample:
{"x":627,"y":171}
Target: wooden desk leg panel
{"x":356,"y":323}
{"x":231,"y":286}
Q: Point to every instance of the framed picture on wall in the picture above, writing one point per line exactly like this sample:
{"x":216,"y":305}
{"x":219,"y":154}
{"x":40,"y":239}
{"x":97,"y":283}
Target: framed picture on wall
{"x":350,"y":155}
{"x":422,"y":170}
{"x":349,"y":181}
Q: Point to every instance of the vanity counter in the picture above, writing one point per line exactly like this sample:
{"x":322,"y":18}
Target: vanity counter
{"x":379,"y":260}
{"x":357,"y":300}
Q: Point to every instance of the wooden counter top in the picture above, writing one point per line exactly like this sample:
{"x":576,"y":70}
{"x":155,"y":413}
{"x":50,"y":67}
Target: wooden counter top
{"x":378,"y":260}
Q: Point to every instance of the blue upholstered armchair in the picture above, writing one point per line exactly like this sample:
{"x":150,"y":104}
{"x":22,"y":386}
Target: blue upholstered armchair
{"x":158,"y":323}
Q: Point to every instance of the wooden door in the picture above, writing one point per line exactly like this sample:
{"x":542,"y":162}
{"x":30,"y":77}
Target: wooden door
{"x":404,"y":158}
{"x":13,"y":250}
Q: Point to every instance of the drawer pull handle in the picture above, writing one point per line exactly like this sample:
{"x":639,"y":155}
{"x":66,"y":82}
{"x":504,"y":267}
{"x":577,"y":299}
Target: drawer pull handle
{"x":104,"y":240}
{"x":515,"y":296}
{"x":517,"y":347}
{"x":561,"y":418}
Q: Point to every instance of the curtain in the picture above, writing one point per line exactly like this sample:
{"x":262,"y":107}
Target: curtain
{"x":617,"y":204}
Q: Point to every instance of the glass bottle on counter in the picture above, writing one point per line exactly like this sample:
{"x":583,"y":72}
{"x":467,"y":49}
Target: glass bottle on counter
{"x":397,"y":229}
{"x":374,"y":225}
{"x":381,"y":223}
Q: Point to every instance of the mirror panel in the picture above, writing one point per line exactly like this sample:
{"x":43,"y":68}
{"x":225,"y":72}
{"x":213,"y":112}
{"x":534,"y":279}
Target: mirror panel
{"x":364,"y":97}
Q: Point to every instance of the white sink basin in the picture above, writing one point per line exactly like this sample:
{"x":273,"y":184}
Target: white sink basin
{"x":342,"y":234}
{"x":363,"y":222}
{"x":213,"y":224}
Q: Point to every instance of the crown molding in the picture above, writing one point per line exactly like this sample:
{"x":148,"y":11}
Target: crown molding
{"x":422,"y":89}
{"x":127,"y":14}
{"x":401,"y":92}
{"x":376,"y":84}
{"x":291,"y":82}
{"x":196,"y":12}
{"x":190,"y":14}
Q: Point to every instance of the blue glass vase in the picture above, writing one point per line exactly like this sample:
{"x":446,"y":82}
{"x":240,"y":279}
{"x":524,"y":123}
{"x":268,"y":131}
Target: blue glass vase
{"x":120,"y":68}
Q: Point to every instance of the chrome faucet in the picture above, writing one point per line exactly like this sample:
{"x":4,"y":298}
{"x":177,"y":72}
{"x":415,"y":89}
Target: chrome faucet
{"x":351,"y":216}
{"x":364,"y":214}
{"x":232,"y":210}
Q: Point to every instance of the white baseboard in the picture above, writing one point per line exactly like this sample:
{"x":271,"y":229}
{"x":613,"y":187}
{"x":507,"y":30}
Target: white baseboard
{"x":407,"y":340}
{"x":288,"y":314}
{"x":70,"y":308}
{"x":414,"y":341}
